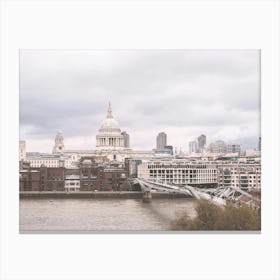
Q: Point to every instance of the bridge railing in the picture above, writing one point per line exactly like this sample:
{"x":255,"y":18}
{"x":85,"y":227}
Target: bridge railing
{"x":218,"y":196}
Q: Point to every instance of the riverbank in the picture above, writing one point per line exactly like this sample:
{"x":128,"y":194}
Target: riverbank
{"x":97,"y":195}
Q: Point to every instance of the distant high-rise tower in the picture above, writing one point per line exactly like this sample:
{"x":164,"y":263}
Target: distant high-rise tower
{"x":233,"y":148}
{"x":58,"y":146}
{"x":218,"y":147}
{"x":260,"y":144}
{"x":201,"y":142}
{"x":192,"y":147}
{"x":126,"y":139}
{"x":161,"y":141}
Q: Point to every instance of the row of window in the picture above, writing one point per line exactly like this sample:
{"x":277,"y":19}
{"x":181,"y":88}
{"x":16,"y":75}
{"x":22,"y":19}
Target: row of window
{"x":241,"y":170}
{"x":193,"y":181}
{"x":212,"y":178}
{"x":232,"y":181}
{"x":184,"y":171}
{"x":72,"y":184}
{"x":177,"y":166}
{"x":183,"y":176}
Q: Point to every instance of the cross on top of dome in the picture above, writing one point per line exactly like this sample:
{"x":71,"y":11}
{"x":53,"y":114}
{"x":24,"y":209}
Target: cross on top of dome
{"x":109,"y":112}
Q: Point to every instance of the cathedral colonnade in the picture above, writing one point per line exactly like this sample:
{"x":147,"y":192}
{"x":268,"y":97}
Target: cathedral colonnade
{"x":109,"y":141}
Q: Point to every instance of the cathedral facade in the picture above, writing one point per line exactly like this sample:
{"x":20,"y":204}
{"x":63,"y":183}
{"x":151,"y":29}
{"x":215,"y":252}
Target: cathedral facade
{"x":111,"y":142}
{"x":109,"y":135}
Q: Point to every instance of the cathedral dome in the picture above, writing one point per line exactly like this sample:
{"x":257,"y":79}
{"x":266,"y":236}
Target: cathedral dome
{"x":108,"y":124}
{"x":109,"y":135}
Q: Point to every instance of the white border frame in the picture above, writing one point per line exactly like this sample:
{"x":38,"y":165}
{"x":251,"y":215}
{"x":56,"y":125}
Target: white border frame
{"x":97,"y":25}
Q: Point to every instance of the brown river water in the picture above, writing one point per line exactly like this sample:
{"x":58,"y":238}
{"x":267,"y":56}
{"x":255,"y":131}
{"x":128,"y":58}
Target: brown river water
{"x":86,"y":215}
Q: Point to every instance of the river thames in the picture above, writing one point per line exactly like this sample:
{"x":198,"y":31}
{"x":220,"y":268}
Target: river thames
{"x":101,"y":214}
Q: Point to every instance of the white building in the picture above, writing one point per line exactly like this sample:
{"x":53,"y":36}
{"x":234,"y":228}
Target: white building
{"x":72,"y":182}
{"x":245,"y":175}
{"x":193,"y":147}
{"x":22,"y":150}
{"x":241,"y":175}
{"x":49,"y":160}
{"x":179,"y":172}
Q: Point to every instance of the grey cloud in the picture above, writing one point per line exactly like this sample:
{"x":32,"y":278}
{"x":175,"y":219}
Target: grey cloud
{"x":70,"y":90}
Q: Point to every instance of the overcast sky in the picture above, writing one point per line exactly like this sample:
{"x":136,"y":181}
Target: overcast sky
{"x":184,"y":93}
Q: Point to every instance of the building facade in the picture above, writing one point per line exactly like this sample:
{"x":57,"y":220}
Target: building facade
{"x":49,"y":160}
{"x":218,"y":147}
{"x":126,"y":139}
{"x":42,"y":179}
{"x":245,"y":175}
{"x":197,"y":174}
{"x":161,"y":141}
{"x":233,"y":148}
{"x":193,"y":148}
{"x":201,"y":143}
{"x":88,"y":176}
{"x":109,"y":135}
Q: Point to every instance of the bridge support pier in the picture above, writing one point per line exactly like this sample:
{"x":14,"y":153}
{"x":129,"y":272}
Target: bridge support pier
{"x":147,"y":197}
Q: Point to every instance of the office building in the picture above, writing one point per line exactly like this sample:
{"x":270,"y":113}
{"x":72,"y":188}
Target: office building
{"x":246,"y":176}
{"x":233,"y":148}
{"x":193,"y":148}
{"x":201,"y":143}
{"x":161,"y":141}
{"x":220,"y":173}
{"x":218,"y":147}
{"x":126,"y":139}
{"x":179,"y":172}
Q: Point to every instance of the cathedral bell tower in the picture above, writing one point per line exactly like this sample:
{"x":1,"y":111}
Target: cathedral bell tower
{"x":58,"y":146}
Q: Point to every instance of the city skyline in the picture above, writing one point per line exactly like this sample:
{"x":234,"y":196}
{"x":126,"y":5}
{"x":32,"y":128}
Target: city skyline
{"x":187,"y":93}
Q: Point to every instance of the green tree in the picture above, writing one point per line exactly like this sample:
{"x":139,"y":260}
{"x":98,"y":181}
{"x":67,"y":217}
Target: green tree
{"x":213,"y":217}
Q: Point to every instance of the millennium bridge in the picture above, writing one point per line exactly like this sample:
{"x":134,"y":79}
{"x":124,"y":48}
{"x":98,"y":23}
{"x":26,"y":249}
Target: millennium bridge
{"x":219,"y":195}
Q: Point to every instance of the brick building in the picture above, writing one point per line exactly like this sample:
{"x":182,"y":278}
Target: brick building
{"x":114,"y":177}
{"x":29,"y":180}
{"x":42,"y":179}
{"x":88,"y":176}
{"x":90,"y":173}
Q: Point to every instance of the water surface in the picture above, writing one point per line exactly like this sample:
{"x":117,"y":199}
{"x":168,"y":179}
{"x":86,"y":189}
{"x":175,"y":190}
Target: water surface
{"x":101,"y":214}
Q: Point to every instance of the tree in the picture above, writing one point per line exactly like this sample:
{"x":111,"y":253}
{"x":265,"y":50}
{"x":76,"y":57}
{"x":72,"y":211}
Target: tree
{"x":213,"y":217}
